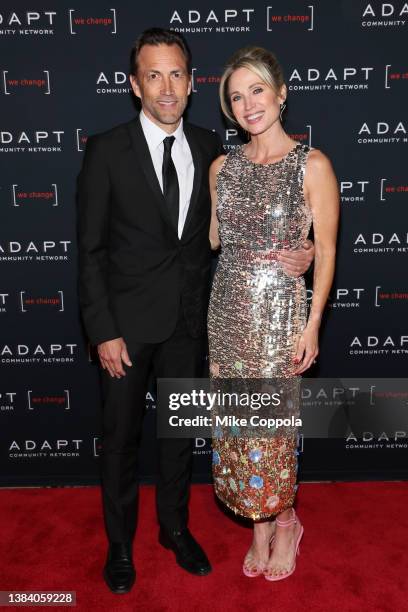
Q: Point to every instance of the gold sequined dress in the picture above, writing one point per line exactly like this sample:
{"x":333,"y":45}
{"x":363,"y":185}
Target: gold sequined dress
{"x":256,"y":315}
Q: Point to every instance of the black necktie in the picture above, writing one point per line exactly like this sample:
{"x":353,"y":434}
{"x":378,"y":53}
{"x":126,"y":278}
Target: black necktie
{"x":170,"y":183}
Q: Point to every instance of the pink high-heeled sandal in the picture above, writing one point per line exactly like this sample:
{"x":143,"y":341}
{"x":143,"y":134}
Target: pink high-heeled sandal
{"x":291,"y":521}
{"x":258,"y":571}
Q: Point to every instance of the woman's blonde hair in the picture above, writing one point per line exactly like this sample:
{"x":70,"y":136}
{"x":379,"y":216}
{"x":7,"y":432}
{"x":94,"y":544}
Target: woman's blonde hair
{"x":261,"y":62}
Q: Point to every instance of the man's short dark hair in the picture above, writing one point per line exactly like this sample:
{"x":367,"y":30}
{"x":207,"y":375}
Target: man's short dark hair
{"x":159,"y":36}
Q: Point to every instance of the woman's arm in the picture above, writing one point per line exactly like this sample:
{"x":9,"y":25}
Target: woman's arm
{"x":214,"y":169}
{"x":322,"y":195}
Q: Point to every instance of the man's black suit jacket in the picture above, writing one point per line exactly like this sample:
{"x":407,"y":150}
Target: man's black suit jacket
{"x":134,"y":272}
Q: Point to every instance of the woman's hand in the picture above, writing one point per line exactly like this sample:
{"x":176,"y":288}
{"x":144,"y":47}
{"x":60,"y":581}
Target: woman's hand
{"x":307,"y":348}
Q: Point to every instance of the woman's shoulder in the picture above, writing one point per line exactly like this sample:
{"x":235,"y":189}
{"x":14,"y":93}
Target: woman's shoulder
{"x":317,"y":161}
{"x":318,"y":169}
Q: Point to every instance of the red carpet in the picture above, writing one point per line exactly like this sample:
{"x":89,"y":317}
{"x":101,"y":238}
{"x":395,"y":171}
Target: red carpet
{"x":353,"y":555}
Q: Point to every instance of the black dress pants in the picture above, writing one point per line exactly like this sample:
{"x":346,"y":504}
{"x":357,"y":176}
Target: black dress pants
{"x":180,"y":356}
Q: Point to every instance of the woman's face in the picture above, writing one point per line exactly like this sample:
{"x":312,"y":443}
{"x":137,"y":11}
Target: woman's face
{"x":254,"y":104}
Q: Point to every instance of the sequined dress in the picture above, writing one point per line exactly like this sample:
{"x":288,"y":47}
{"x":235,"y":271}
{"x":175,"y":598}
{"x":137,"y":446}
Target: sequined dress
{"x":256,"y":315}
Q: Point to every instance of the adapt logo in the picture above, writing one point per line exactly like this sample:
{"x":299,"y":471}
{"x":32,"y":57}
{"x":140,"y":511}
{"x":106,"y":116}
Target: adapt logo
{"x":28,"y":23}
{"x":378,"y":345}
{"x":328,"y":395}
{"x":369,"y":440}
{"x":384,"y":14}
{"x":40,"y":449}
{"x":381,"y":243}
{"x":225,"y":21}
{"x":33,"y":141}
{"x":13,"y":354}
{"x":45,"y":251}
{"x":110,"y":83}
{"x":382,"y":132}
{"x":351,"y":78}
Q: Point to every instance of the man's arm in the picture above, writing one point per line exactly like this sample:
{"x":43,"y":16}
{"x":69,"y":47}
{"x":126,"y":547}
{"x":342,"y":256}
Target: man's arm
{"x":93,"y":210}
{"x":93,"y":238}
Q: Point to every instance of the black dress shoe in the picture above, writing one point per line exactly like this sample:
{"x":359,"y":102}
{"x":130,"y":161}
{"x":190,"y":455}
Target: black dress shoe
{"x":119,"y":571}
{"x":189,"y":554}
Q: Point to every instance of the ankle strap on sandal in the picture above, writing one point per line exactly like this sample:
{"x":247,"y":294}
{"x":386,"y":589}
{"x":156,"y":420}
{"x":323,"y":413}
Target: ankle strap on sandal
{"x":290,"y":521}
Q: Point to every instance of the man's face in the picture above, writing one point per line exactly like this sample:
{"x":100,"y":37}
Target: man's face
{"x":163,"y":84}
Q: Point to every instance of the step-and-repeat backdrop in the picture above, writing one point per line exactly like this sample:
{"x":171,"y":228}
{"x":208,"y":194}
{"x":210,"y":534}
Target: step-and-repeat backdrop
{"x":64,"y":75}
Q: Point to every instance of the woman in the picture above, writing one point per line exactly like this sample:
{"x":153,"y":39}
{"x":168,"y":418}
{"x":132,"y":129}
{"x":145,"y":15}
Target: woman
{"x":265,"y":196}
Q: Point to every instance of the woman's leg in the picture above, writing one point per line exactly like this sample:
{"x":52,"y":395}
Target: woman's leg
{"x":287,"y":533}
{"x":257,"y":556}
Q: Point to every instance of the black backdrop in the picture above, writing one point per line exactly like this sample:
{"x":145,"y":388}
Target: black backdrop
{"x":64,"y":73}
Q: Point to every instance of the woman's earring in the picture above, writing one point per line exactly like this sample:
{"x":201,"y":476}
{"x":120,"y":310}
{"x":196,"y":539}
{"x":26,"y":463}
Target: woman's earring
{"x":282,"y":108}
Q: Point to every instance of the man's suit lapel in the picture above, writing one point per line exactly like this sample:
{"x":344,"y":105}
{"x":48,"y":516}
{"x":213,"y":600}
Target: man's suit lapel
{"x":198,"y":161}
{"x":142,"y":152}
{"x":140,"y":147}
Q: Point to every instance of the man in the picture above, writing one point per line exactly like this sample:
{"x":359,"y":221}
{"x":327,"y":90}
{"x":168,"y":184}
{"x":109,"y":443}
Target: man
{"x":144,"y":213}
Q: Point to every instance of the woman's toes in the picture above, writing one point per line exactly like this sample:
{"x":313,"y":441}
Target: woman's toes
{"x":250,"y":564}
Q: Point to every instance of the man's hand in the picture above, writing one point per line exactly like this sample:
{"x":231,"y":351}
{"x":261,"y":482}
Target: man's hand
{"x":296,"y":263}
{"x":111,"y":355}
